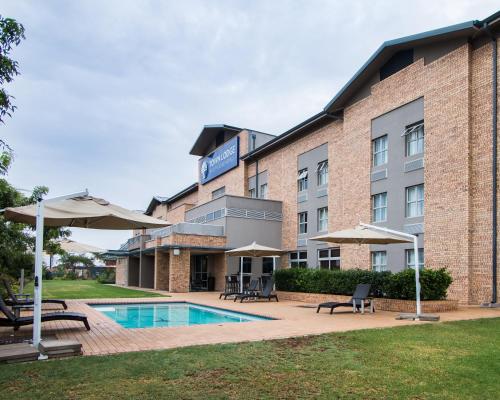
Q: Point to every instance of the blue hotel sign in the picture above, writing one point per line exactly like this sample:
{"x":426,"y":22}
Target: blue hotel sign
{"x":223,"y":159}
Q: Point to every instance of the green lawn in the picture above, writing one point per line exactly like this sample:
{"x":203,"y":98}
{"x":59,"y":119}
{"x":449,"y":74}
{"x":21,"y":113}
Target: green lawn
{"x":459,"y":360}
{"x":80,"y":289}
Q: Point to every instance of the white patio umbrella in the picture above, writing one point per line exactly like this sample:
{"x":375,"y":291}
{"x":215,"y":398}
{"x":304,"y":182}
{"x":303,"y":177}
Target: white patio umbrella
{"x":73,"y":210}
{"x":371,"y":234}
{"x":71,"y":246}
{"x":254,"y":250}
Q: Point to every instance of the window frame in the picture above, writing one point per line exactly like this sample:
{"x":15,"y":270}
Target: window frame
{"x":377,"y":265}
{"x":324,"y":219}
{"x":218,"y":192}
{"x":266,"y":260}
{"x":302,"y":180}
{"x":252,"y":193}
{"x":302,"y":223}
{"x":299,"y":261}
{"x":378,"y":208}
{"x":421,"y":255}
{"x":322,"y":173}
{"x":419,"y":202}
{"x":247,"y":261}
{"x":415,"y":133}
{"x":376,"y":152}
{"x":262,"y":192}
{"x":332,"y":259}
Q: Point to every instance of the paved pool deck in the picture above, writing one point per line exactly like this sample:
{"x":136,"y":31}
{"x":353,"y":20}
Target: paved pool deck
{"x":291,"y":319}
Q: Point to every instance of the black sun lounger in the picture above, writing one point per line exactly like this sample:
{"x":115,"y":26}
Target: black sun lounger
{"x":252,"y":288}
{"x":16,"y":322}
{"x":360,"y":295}
{"x":265,"y":294}
{"x":24,"y":299}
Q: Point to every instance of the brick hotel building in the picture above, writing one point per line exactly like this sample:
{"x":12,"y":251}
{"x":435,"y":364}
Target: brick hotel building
{"x":408,"y":143}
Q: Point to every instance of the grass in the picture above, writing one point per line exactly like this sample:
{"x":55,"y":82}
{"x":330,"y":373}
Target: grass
{"x":458,"y":360}
{"x":86,"y":289}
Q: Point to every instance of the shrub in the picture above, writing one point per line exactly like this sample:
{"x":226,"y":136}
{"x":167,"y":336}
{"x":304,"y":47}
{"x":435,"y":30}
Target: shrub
{"x":400,"y":285}
{"x":106,"y":276}
{"x":70,"y":276}
{"x":434,"y":284}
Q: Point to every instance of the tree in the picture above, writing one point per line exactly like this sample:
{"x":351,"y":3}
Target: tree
{"x":70,"y":262}
{"x":11,"y":34}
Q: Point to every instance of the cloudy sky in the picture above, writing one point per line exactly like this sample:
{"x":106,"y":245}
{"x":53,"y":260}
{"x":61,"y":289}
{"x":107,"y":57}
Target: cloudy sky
{"x":113,"y":93}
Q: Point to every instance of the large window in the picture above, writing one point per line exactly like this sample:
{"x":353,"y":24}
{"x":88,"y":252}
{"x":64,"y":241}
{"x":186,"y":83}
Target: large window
{"x":379,"y":151}
{"x":302,"y":180}
{"x":302,"y":222}
{"x":247,"y":265}
{"x":379,"y":261}
{"x":415,"y":201}
{"x":298,"y":259}
{"x":379,"y":207}
{"x":410,"y":258}
{"x":414,"y":138}
{"x":322,"y":173}
{"x":322,"y":219}
{"x":263,"y":191}
{"x":218,"y":192}
{"x":267,"y":265}
{"x":329,"y":258}
{"x":252,"y":193}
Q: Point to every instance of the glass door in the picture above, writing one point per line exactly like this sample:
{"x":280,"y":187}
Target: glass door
{"x":200,"y":273}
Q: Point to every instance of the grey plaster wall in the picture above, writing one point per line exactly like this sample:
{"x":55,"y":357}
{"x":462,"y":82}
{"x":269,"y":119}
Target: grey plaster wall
{"x":393,"y":125}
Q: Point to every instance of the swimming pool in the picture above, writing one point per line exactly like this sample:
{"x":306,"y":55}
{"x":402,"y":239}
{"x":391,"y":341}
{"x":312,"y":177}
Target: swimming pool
{"x":156,"y":315}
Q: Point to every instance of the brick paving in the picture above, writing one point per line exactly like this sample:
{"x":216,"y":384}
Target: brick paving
{"x":293,"y":319}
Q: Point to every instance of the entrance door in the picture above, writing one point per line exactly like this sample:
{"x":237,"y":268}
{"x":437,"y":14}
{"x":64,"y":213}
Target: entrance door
{"x":200,"y":273}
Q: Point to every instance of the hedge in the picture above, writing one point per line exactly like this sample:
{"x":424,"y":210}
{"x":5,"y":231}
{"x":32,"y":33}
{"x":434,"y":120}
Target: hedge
{"x":399,"y":285}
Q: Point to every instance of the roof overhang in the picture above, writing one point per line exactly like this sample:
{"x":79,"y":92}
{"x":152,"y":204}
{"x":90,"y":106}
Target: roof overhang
{"x":208,"y":135}
{"x":388,"y":49}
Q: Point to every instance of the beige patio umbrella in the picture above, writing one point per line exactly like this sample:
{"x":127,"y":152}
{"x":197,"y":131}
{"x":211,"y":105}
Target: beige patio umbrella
{"x":84,"y":212}
{"x":254,"y":250}
{"x":70,"y":246}
{"x":370,"y":234}
{"x":361,"y":235}
{"x":72,"y":210}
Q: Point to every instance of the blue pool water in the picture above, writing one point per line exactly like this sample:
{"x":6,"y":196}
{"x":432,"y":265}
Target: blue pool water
{"x":156,"y":315}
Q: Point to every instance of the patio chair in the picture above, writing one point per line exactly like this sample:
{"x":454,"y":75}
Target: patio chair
{"x":266,"y":293}
{"x":251,"y":290}
{"x":360,"y":295}
{"x":231,"y":288}
{"x":22,"y":299}
{"x":16,"y":322}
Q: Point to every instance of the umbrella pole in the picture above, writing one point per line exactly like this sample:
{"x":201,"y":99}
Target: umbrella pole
{"x":417,"y":275}
{"x":241,"y":274}
{"x":37,"y":303}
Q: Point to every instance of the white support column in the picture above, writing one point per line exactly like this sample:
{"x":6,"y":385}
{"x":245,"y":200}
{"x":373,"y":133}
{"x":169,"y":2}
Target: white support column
{"x":241,"y":274}
{"x":37,"y":304}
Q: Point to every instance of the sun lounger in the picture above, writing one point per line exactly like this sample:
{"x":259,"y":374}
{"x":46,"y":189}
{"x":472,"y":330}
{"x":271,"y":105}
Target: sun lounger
{"x":357,"y":301}
{"x":252,"y":288}
{"x":16,"y":322}
{"x":21,"y":299}
{"x":266,"y":293}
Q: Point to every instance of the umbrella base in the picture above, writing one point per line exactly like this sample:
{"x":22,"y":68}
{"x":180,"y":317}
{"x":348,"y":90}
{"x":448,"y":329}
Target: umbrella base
{"x":421,"y":317}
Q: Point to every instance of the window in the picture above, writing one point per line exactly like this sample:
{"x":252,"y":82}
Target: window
{"x":322,"y":219}
{"x":247,"y":265}
{"x":253,"y":142}
{"x":302,"y":223}
{"x":302,"y":180}
{"x":379,"y":207}
{"x":267,"y":265}
{"x":415,"y":201}
{"x":218,"y":192}
{"x":379,"y":261}
{"x":263,"y":191}
{"x":414,"y":138}
{"x":322,"y":172}
{"x":298,"y":259}
{"x":329,"y":258}
{"x":252,"y":193}
{"x":379,"y":150}
{"x":410,"y":258}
